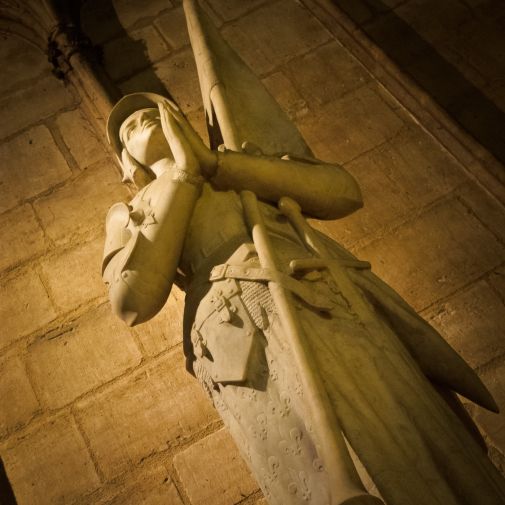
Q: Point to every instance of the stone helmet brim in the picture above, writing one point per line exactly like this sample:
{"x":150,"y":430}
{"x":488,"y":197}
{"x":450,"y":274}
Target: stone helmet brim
{"x":124,"y":108}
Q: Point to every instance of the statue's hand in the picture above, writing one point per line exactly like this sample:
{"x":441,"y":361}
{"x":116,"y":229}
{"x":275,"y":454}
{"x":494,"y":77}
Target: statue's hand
{"x":182,"y":151}
{"x":206,"y":158}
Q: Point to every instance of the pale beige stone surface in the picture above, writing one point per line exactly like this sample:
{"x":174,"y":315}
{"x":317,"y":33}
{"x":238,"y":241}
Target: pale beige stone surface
{"x":80,"y":138}
{"x":70,"y":362}
{"x":65,"y":217}
{"x":30,"y":105}
{"x":473,"y":322}
{"x":264,"y":43}
{"x":74,"y":276}
{"x":213,"y":471}
{"x":22,"y":241}
{"x":197,"y":120}
{"x":178,"y":73}
{"x":333,"y":136}
{"x":148,"y":487}
{"x":50,"y":465}
{"x":392,"y":188}
{"x":416,"y":173}
{"x":33,"y":164}
{"x":19,"y":403}
{"x":456,"y":249}
{"x":286,"y":95}
{"x":345,"y":72}
{"x":156,"y":409}
{"x":163,"y":331}
{"x":173,"y":29}
{"x":24,"y":306}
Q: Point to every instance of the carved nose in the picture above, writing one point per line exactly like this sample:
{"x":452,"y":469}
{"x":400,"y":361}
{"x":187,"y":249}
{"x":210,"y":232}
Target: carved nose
{"x":142,"y":116}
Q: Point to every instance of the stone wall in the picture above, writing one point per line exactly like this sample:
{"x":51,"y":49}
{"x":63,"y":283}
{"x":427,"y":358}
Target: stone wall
{"x":96,"y":413}
{"x":454,"y":50}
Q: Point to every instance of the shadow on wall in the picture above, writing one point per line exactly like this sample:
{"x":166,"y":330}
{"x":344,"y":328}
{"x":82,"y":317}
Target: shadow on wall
{"x":6,"y":494}
{"x":421,"y":61}
{"x":124,"y":56}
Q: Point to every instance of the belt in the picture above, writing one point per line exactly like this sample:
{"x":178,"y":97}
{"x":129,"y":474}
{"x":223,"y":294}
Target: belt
{"x":309,"y":295}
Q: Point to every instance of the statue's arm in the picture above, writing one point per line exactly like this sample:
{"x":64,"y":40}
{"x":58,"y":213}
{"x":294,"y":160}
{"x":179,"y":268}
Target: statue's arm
{"x":322,"y":190}
{"x":141,"y":273}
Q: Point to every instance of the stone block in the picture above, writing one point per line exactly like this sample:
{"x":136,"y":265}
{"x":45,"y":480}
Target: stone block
{"x":497,"y":281}
{"x":473,"y":322}
{"x":130,"y":15}
{"x":212,"y":471}
{"x":146,"y":80}
{"x":24,"y":306}
{"x":21,"y":63}
{"x":33,"y":164}
{"x":153,"y":410}
{"x":76,"y":359}
{"x":346,"y":128}
{"x":432,"y":256}
{"x":396,"y":178}
{"x":326,"y":74}
{"x":134,"y":51}
{"x":19,"y":403}
{"x":487,"y":208}
{"x":232,"y":9}
{"x":30,"y":105}
{"x":173,"y":28}
{"x":74,"y":276}
{"x":493,"y":424}
{"x":164,"y":331}
{"x":199,"y":123}
{"x":22,"y":236}
{"x":272,"y":35}
{"x":50,"y":464}
{"x":151,"y":486}
{"x":286,"y":95}
{"x":80,"y":138}
{"x":79,"y":208}
{"x":174,"y":76}
{"x":179,"y":76}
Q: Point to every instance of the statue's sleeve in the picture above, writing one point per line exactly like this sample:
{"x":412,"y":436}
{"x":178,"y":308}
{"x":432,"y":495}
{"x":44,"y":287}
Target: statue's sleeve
{"x":143,"y":246}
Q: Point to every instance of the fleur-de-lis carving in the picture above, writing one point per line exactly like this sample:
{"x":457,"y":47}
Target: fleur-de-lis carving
{"x":260,"y":429}
{"x":295,"y":447}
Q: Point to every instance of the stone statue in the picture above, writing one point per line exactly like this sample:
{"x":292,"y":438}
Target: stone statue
{"x":295,"y":341}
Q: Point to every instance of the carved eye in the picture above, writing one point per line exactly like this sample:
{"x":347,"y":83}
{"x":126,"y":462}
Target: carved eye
{"x":129,"y":131}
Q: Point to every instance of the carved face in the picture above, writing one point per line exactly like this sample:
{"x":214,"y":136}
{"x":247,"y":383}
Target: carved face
{"x":143,"y":138}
